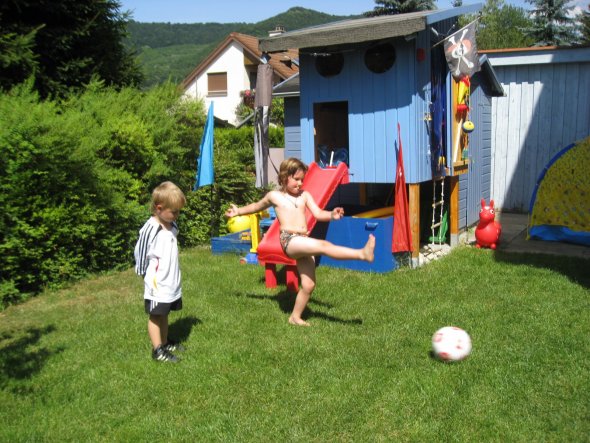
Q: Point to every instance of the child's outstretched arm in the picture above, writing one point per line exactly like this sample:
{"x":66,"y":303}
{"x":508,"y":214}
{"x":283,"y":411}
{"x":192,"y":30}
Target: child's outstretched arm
{"x":252,"y":208}
{"x":321,"y":214}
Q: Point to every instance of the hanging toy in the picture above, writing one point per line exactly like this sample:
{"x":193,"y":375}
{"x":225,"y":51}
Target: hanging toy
{"x":468,"y":126}
{"x":463,"y":94}
{"x":462,"y":107}
{"x":464,"y":125}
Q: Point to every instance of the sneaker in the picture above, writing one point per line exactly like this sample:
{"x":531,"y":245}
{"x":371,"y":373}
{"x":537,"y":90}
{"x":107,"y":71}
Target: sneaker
{"x":162,"y":354}
{"x":173,"y":346}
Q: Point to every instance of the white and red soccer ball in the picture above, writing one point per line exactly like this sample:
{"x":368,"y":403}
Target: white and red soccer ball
{"x":451,"y":343}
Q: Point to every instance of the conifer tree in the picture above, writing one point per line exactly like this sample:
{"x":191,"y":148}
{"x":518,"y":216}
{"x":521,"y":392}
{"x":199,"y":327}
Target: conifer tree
{"x":64,"y":44}
{"x":392,"y":7}
{"x":585,"y":26}
{"x":553,"y":24}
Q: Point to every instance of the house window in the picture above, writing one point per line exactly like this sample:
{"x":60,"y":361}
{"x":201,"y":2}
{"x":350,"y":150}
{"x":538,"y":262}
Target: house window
{"x":217,"y":84}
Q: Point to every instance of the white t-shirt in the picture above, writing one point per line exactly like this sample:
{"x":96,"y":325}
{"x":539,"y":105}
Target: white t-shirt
{"x":162,"y":276}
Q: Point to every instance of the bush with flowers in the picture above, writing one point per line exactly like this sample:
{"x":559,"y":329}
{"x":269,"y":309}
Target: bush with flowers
{"x":248,"y":97}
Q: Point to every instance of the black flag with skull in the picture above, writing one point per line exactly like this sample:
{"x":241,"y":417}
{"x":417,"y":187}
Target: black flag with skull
{"x":461,"y":52}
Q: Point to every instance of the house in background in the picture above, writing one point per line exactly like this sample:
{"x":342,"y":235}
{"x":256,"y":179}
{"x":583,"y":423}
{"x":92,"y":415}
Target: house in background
{"x":230,"y":70}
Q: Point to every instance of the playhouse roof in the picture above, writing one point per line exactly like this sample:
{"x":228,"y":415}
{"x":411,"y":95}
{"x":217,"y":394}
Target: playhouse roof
{"x":361,"y":30}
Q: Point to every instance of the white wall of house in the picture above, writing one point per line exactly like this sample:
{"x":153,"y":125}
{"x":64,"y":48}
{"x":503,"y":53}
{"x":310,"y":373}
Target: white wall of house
{"x":231,"y":61}
{"x":546,"y":108}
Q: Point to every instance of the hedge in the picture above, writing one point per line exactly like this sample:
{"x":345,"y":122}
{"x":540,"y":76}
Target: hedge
{"x":76,"y":178}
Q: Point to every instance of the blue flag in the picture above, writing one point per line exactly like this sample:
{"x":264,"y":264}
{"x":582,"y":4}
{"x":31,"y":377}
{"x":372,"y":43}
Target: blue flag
{"x":205,"y":162}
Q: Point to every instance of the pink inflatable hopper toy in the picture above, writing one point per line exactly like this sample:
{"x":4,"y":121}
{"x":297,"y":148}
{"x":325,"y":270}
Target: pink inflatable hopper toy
{"x":487,"y":232}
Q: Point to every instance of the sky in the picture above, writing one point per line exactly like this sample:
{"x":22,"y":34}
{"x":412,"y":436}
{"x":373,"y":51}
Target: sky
{"x":244,"y":11}
{"x":232,"y":11}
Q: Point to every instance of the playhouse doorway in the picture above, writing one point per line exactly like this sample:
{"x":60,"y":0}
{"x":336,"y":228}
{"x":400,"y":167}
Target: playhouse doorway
{"x":331,"y":133}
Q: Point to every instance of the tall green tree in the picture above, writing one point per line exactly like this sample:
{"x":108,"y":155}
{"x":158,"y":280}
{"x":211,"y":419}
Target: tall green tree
{"x":501,"y":26}
{"x":585,"y":26}
{"x":553,"y":23}
{"x":392,"y":7}
{"x":17,"y":59}
{"x":64,"y":44}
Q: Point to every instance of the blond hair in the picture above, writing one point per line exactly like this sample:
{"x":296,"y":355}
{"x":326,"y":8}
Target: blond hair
{"x":289,"y":168}
{"x":168,"y":195}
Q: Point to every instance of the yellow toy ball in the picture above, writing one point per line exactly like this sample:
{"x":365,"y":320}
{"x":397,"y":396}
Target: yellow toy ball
{"x":239,"y":223}
{"x":468,"y":126}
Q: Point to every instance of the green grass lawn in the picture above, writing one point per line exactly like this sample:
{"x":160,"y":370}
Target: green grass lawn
{"x":75,"y":364}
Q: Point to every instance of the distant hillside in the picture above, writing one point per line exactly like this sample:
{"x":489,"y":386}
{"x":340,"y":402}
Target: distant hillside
{"x":173,"y":50}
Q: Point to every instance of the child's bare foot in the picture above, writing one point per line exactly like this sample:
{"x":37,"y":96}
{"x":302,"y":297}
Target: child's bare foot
{"x":368,"y":252}
{"x":298,"y":321}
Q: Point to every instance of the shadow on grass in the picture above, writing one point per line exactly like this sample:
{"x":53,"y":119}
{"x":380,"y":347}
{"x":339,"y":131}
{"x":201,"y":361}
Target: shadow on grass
{"x":181,"y":329}
{"x":21,"y":358}
{"x":286,"y":301}
{"x":576,"y":269}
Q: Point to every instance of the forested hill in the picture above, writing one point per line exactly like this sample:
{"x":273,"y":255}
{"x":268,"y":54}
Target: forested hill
{"x":158,"y":35}
{"x":172,"y":50}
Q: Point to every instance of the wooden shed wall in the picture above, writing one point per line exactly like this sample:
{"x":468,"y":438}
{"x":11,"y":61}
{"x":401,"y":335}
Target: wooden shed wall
{"x":292,"y":128}
{"x":476,"y":184}
{"x":376,"y":103}
{"x":547,"y":107}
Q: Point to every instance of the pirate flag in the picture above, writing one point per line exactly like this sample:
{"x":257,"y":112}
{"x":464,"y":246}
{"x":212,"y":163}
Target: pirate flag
{"x":461,"y":52}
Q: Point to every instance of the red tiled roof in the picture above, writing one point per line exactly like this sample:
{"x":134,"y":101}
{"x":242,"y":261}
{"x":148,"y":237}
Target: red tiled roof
{"x":281,"y":61}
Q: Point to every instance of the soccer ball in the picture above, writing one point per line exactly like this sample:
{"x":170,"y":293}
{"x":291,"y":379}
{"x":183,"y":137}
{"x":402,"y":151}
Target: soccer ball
{"x":451,"y":343}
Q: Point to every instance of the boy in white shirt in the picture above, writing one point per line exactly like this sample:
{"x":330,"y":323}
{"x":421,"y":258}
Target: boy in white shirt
{"x":156,"y":259}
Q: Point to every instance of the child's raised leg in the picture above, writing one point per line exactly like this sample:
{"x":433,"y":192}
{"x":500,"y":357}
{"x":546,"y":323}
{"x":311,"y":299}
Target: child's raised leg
{"x":306,"y":269}
{"x":308,"y":246}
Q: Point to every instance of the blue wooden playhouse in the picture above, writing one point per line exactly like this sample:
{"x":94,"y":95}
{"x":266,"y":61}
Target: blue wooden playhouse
{"x":358,"y":79}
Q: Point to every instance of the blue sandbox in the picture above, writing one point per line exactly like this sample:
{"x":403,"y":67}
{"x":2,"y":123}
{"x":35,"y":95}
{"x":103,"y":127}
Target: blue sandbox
{"x":231,"y":243}
{"x":354,"y":232}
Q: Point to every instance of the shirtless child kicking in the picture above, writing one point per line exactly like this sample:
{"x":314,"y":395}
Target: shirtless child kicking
{"x":290,"y":203}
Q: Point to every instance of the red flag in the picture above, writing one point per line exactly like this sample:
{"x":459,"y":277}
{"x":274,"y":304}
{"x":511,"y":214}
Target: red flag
{"x":402,"y":234}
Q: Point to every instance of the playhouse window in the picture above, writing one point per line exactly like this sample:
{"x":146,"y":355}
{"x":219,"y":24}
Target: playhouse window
{"x":329,"y":65}
{"x":380,"y":58}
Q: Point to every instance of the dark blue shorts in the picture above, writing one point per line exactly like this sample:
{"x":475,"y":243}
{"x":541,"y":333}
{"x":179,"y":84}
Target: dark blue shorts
{"x":155,"y":308}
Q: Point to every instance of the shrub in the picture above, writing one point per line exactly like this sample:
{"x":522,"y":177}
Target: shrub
{"x":235,"y":177}
{"x":76,"y":178}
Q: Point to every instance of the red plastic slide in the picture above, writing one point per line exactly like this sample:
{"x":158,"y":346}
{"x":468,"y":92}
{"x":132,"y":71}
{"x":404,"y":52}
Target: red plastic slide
{"x":321,"y":184}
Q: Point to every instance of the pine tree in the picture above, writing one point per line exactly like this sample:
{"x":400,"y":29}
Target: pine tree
{"x":65,"y":44}
{"x":585,"y":26}
{"x":553,"y":24}
{"x":392,"y":7}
